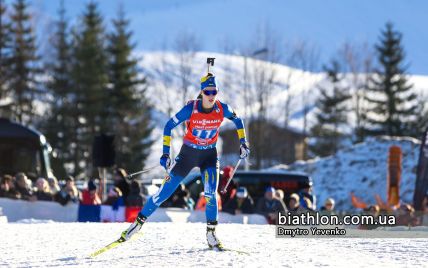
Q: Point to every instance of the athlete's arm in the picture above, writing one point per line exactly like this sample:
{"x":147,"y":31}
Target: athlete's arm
{"x":230,"y":114}
{"x":177,"y":119}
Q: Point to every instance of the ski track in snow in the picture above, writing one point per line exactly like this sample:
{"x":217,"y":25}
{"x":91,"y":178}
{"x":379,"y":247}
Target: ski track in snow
{"x":184,"y":245}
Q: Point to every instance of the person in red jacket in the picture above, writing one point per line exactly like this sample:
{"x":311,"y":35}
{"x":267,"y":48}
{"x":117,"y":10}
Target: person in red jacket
{"x":90,"y":196}
{"x":225,"y":175}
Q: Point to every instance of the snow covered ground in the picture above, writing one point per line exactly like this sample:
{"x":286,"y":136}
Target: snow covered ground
{"x":183,"y":245}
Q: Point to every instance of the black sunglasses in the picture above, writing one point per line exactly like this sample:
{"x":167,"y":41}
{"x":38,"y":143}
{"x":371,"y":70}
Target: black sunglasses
{"x":210,"y":92}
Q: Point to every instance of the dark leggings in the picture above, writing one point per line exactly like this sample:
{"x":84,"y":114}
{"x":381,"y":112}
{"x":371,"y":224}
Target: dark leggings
{"x":187,"y":159}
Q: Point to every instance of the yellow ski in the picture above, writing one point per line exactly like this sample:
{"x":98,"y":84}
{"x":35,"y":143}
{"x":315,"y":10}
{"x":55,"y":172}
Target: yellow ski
{"x":112,"y":245}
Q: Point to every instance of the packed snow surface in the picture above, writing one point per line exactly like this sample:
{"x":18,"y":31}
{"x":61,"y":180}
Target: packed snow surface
{"x":47,"y":244}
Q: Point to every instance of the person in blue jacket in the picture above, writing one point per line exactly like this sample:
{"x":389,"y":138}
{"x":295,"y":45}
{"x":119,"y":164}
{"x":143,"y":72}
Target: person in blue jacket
{"x":203,"y":118}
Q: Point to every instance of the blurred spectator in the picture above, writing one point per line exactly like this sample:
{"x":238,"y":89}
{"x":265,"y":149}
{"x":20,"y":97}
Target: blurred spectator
{"x":307,"y":204}
{"x":7,"y":188}
{"x":424,"y":219}
{"x":43,"y":192}
{"x":121,"y":182}
{"x":135,"y":197}
{"x":189,"y":200}
{"x":373,"y":210}
{"x":307,"y":192}
{"x":181,"y":198}
{"x":114,"y":198}
{"x":406,"y":215}
{"x":195,"y":189}
{"x":90,"y":195}
{"x":241,"y":203}
{"x":294,"y":203}
{"x":53,"y":185}
{"x":328,"y":207}
{"x":269,"y":206}
{"x":279,"y":194}
{"x":144,"y":190}
{"x":23,"y":186}
{"x":177,"y":198}
{"x":225,"y":175}
{"x":202,"y":202}
{"x":68,"y":193}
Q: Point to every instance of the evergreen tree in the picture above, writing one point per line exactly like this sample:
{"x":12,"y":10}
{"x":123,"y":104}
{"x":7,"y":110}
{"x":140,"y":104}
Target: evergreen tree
{"x":90,"y":78}
{"x":23,"y":68}
{"x":332,"y":113}
{"x":129,"y":110}
{"x":392,"y":103}
{"x":5,"y":49}
{"x":61,"y":121}
{"x":417,"y":127}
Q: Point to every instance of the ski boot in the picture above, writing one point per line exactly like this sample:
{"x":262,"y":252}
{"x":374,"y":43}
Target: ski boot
{"x":134,"y":228}
{"x":213,"y":242}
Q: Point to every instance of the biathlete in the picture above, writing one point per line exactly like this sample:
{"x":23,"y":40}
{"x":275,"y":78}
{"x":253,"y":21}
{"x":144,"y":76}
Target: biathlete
{"x":203,"y":119}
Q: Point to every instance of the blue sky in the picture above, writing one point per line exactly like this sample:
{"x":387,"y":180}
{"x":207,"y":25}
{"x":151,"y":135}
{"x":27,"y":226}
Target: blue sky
{"x":326,"y":24}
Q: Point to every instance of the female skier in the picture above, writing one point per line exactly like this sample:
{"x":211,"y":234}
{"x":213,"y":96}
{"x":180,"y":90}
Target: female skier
{"x":203,"y":119}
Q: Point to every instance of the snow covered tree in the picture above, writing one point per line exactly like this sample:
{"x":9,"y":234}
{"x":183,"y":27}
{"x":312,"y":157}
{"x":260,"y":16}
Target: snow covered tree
{"x":417,"y":127}
{"x":23,"y":64}
{"x":90,"y":80}
{"x":332,"y":113}
{"x":5,"y":49}
{"x":186,"y":46}
{"x":60,"y":124}
{"x":262,"y":76}
{"x":392,"y":102}
{"x":129,"y":110}
{"x":166,"y":101}
{"x":305,"y":56}
{"x":357,"y":60}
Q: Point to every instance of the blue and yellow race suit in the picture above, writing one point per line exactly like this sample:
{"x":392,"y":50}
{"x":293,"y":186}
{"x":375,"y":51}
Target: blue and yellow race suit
{"x":198,"y":150}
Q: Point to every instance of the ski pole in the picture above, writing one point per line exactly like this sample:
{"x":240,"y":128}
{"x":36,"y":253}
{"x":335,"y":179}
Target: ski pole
{"x":140,"y":172}
{"x":231,"y":177}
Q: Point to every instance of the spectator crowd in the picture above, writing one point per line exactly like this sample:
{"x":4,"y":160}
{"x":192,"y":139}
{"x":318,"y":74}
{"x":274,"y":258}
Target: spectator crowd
{"x":122,"y":193}
{"x":237,"y":200}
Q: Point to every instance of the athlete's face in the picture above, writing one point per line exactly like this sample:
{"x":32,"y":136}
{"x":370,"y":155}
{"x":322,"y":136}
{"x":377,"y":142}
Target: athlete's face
{"x":209,"y":96}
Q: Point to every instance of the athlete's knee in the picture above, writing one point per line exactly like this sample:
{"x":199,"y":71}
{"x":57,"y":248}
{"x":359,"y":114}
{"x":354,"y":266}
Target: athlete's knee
{"x":167,"y":188}
{"x":210,"y":178}
{"x":211,"y":199}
